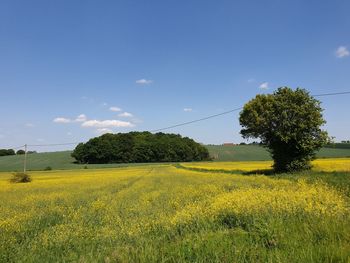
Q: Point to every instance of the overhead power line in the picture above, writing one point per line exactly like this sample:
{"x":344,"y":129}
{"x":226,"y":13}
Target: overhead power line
{"x":181,"y":124}
{"x":18,"y":147}
{"x":197,"y":120}
{"x":53,"y":144}
{"x":42,"y":145}
{"x":233,"y":110}
{"x":331,"y":94}
{"x":13,"y":148}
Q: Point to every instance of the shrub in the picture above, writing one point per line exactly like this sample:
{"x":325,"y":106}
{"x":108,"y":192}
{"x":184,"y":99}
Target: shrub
{"x":21,"y":178}
{"x":48,"y":168}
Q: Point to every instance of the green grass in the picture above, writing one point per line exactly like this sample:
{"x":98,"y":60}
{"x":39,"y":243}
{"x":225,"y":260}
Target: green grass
{"x":239,"y":153}
{"x":339,"y":145}
{"x":337,"y":180}
{"x":259,"y":153}
{"x":127,"y":215}
{"x":63,"y":160}
{"x":56,"y":160}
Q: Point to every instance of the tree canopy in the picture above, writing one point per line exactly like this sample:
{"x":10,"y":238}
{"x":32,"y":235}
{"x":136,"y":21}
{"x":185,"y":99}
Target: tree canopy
{"x":288,"y":122}
{"x":5,"y":152}
{"x":20,"y":152}
{"x":139,"y":147}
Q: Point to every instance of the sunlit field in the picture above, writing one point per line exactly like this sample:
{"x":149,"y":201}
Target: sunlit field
{"x":167,"y":213}
{"x":326,"y":165}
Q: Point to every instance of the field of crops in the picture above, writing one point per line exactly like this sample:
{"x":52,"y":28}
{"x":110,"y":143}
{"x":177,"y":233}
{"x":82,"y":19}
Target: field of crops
{"x":63,"y":160}
{"x":259,"y":153}
{"x":164,"y":213}
{"x":326,"y":165}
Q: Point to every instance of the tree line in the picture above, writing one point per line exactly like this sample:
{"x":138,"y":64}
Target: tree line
{"x":341,"y":145}
{"x":139,"y":147}
{"x":6,"y":152}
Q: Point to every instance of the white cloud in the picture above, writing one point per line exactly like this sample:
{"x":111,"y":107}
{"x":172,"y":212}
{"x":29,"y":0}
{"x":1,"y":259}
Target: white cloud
{"x":341,"y":52}
{"x":2,"y":136}
{"x":264,"y":85}
{"x":81,"y":118}
{"x":104,"y":130}
{"x":40,"y":140}
{"x":251,"y":80}
{"x":144,"y":81}
{"x":62,"y":120}
{"x":69,"y":133}
{"x":188,"y":109}
{"x":30,"y":125}
{"x":115,"y":109}
{"x":125,"y":114}
{"x":106,"y":123}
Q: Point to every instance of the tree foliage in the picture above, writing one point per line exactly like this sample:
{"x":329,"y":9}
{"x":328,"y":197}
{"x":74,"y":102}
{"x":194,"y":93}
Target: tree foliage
{"x":5,"y":152}
{"x":288,"y":122}
{"x":20,"y":152}
{"x":139,"y":147}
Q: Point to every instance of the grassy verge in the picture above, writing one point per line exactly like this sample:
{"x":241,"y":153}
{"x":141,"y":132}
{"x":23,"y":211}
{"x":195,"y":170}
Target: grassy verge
{"x":339,"y":180}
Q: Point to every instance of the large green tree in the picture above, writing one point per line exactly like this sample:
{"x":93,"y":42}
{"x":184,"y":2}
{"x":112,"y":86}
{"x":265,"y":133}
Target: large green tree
{"x":288,"y":122}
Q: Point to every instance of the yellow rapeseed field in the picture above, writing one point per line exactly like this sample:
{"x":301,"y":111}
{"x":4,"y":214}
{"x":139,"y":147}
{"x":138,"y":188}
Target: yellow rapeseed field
{"x":328,"y":165}
{"x":161,"y":213}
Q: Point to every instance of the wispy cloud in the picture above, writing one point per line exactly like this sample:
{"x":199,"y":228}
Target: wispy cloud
{"x":341,"y":52}
{"x":81,"y":118}
{"x":62,"y":120}
{"x":144,"y":81}
{"x":188,"y":109}
{"x":102,"y":126}
{"x":30,"y":125}
{"x":125,"y":115}
{"x":106,"y":123}
{"x":264,"y":85}
{"x":116,"y":109}
{"x":251,"y":80}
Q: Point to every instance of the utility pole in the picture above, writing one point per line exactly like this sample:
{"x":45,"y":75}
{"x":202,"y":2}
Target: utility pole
{"x":25,"y":159}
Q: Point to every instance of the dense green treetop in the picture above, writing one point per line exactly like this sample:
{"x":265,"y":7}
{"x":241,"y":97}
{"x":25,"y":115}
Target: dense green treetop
{"x":5,"y":152}
{"x":139,"y":147}
{"x":19,"y":152}
{"x":288,"y":122}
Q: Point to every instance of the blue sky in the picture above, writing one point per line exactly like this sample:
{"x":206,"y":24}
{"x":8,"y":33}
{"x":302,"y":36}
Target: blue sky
{"x":158,"y":63}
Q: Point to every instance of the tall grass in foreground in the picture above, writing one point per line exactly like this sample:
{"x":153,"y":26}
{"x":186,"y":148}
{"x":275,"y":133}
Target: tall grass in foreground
{"x":164,"y":214}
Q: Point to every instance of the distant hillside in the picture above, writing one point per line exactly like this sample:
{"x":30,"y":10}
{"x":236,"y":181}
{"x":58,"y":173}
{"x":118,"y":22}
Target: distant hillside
{"x":259,"y":153}
{"x":339,"y":145}
{"x":63,"y":160}
{"x":56,"y":160}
